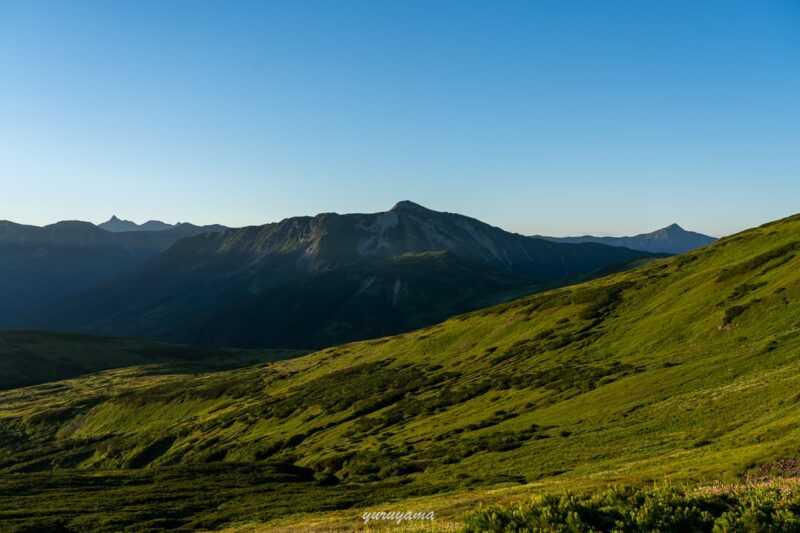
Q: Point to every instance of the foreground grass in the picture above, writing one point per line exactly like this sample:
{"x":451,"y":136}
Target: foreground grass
{"x":747,"y":506}
{"x":767,"y":507}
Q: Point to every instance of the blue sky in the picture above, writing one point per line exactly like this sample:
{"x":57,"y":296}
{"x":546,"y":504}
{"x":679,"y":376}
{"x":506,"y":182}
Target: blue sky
{"x":558,"y":117}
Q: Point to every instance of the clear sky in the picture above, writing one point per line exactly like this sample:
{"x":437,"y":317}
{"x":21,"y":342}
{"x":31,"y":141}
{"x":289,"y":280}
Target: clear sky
{"x":553,"y":117}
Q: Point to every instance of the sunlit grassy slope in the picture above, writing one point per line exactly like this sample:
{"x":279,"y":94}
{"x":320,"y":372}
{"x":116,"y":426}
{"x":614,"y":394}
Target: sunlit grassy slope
{"x":684,"y":369}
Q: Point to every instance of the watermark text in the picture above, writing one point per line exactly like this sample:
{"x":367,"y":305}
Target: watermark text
{"x":398,"y":516}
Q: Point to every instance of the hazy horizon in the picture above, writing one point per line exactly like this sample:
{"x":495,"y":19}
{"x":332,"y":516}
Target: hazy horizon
{"x":563,"y":118}
{"x":577,"y":234}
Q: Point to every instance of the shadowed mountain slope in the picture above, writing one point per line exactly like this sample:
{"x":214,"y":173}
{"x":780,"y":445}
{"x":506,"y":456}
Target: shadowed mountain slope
{"x":316,"y":281}
{"x":39,"y":265}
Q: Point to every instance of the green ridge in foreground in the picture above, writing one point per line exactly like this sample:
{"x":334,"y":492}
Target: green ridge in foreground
{"x":683,"y":370}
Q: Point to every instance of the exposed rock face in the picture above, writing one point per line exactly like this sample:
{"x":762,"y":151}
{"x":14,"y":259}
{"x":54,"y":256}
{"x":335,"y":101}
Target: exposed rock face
{"x":311,"y":281}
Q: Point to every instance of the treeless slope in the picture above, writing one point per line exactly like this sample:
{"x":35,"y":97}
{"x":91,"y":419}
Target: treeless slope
{"x":683,"y":369}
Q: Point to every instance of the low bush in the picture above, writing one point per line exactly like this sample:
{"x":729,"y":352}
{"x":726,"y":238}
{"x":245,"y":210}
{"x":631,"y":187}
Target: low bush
{"x":732,"y":312}
{"x":745,"y":288}
{"x":667,"y":509}
{"x":751,"y":265}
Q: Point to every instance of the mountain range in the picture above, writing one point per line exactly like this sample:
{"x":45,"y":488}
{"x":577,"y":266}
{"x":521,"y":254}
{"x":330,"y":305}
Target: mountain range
{"x":682,"y":370}
{"x":672,"y":239}
{"x":309,"y":282}
{"x":39,"y":265}
{"x":115,"y":225}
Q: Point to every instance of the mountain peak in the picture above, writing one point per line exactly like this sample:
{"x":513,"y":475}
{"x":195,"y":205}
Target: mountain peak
{"x":117,"y":225}
{"x":672,"y":239}
{"x":408,"y":205}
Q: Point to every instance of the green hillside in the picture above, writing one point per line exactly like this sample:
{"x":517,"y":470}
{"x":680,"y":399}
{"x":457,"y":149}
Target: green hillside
{"x":33,"y":357}
{"x":685,"y":369}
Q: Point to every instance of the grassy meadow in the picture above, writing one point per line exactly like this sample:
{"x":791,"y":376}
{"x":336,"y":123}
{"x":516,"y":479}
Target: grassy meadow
{"x":680,"y":374}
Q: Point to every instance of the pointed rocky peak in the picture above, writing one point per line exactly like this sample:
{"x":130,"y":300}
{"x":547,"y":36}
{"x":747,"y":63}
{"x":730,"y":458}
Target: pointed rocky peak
{"x":672,"y":239}
{"x":115,"y":224}
{"x":673,"y":231}
{"x":408,"y":205}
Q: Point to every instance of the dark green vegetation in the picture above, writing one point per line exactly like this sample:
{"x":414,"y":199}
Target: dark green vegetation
{"x":670,"y":240}
{"x":314,"y":282}
{"x":635,"y":377}
{"x":368,"y":300}
{"x":668,"y":509}
{"x":39,"y":265}
{"x":174,"y":498}
{"x":29,"y":358}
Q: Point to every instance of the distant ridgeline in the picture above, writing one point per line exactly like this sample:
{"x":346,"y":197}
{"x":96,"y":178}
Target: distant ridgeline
{"x":308,"y":282}
{"x":39,"y":265}
{"x":115,"y":225}
{"x":670,"y":240}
